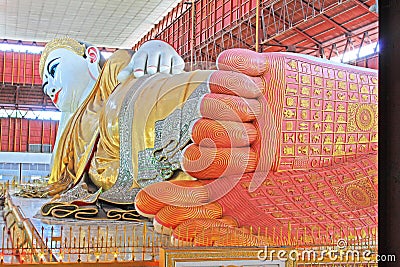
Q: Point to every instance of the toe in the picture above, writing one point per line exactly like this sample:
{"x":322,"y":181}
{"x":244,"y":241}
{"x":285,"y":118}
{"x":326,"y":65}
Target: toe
{"x":154,"y":197}
{"x":205,"y":162}
{"x":244,"y":61}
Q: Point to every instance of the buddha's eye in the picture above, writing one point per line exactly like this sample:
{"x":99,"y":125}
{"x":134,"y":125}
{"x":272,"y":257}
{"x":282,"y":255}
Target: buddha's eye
{"x":53,"y":70}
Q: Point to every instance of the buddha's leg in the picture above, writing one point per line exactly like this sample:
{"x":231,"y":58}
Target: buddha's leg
{"x":306,"y":128}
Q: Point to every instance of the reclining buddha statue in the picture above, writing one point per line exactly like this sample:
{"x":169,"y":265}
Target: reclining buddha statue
{"x":268,"y":141}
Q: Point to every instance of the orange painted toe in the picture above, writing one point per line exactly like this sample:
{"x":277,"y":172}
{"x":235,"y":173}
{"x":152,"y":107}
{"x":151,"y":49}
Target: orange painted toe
{"x":154,"y":197}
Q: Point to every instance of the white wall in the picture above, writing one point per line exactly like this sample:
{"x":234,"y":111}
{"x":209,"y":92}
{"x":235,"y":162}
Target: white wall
{"x":25,"y":157}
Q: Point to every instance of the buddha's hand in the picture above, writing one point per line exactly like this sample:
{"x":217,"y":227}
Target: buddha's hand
{"x":152,"y":57}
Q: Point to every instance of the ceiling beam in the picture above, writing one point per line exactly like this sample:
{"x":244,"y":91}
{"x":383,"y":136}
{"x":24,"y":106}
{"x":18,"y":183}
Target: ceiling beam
{"x":364,"y":6}
{"x":357,"y":18}
{"x":335,"y":24}
{"x":297,"y":30}
{"x":328,"y":19}
{"x":356,"y":32}
{"x":308,"y":37}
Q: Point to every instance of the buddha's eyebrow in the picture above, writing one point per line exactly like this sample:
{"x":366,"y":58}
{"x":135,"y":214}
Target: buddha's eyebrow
{"x":48,"y":65}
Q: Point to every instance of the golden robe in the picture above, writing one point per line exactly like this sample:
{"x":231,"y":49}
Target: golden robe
{"x":82,"y":130}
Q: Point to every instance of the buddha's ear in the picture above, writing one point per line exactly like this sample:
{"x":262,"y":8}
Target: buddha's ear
{"x":93,"y":60}
{"x":92,"y":54}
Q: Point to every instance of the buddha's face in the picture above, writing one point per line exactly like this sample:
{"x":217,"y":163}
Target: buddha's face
{"x":65,"y":78}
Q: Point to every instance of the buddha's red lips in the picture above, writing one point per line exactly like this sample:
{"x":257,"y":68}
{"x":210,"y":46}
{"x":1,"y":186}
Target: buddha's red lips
{"x":56,"y":96}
